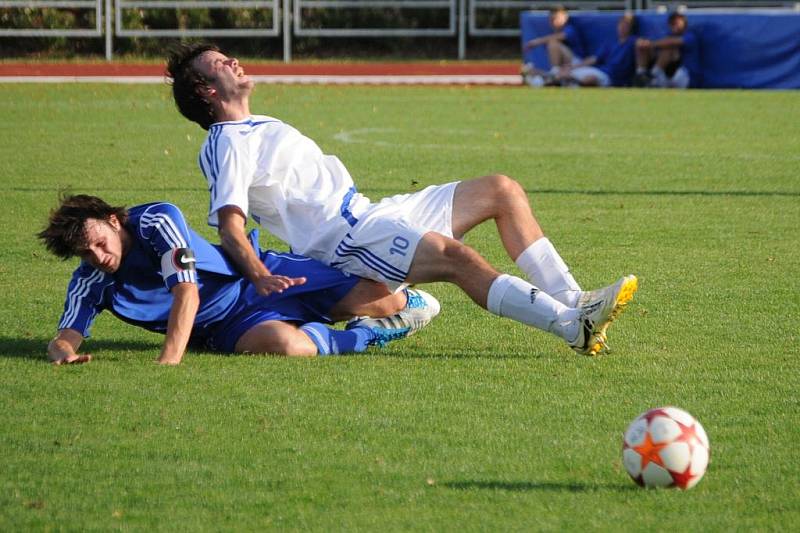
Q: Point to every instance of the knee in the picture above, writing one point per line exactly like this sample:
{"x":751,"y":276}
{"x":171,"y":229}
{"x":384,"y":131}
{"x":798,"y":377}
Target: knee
{"x":298,"y":344}
{"x":457,"y":256}
{"x":266,"y":339}
{"x":505,"y":189}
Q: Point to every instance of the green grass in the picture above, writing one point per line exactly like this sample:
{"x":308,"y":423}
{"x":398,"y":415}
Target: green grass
{"x":476,"y":423}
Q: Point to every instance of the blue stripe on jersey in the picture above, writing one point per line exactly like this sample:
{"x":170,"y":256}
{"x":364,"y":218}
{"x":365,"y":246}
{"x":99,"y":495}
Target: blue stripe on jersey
{"x":345,"y":208}
{"x":246,"y":122}
{"x":214,"y":154}
{"x":81,"y":289}
{"x":253,"y":123}
{"x":370,"y":260}
{"x":208,"y":163}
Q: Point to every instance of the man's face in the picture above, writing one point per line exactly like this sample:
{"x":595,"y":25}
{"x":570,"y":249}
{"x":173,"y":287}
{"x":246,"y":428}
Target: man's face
{"x":103,"y":248}
{"x":677,"y":26}
{"x":224,"y":74}
{"x":624,"y":27}
{"x":559,"y":19}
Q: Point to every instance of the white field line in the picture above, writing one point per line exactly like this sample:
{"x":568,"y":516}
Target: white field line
{"x":477,"y":79}
{"x":368,"y":136}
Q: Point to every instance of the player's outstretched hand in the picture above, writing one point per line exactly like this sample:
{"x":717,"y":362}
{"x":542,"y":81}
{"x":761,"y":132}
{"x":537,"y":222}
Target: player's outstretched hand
{"x":268,"y":284}
{"x":74,"y":359}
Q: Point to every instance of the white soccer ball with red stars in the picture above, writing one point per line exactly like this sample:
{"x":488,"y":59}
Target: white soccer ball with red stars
{"x":665,"y":447}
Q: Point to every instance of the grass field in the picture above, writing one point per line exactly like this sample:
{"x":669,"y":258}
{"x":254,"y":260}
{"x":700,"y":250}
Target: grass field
{"x":474,"y":424}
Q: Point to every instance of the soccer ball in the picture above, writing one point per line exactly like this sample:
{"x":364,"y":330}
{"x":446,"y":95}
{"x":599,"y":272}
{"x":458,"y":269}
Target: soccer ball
{"x":665,"y":447}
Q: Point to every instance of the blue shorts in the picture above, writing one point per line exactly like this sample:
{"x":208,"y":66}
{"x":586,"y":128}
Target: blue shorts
{"x":310,"y":302}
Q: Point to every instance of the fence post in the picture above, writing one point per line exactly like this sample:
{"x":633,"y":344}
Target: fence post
{"x":287,"y":31}
{"x":462,"y":33}
{"x":109,"y":43}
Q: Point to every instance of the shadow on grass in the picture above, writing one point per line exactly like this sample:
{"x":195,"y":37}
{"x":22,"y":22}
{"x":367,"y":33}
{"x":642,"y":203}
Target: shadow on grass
{"x":530,"y":486}
{"x":662,"y":192}
{"x":36,"y":348}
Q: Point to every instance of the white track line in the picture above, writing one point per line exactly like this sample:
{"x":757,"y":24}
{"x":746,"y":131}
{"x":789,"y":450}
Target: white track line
{"x":466,"y":79}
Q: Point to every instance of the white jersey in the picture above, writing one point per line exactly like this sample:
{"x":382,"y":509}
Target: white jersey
{"x":281,"y":179}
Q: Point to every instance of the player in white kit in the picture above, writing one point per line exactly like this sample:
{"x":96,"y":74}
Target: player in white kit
{"x":259,"y":166}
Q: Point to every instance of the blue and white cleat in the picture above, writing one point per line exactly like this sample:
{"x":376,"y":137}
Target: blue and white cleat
{"x":382,"y":336}
{"x":420,"y":309}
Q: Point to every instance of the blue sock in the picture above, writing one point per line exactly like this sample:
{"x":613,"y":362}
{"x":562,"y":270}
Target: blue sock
{"x":334,"y":341}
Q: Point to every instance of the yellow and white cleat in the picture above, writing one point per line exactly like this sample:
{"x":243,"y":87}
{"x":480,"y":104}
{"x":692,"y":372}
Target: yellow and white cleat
{"x":599,"y":309}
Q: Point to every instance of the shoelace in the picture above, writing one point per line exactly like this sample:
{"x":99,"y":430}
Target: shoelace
{"x":415,"y":301}
{"x":383,"y":336}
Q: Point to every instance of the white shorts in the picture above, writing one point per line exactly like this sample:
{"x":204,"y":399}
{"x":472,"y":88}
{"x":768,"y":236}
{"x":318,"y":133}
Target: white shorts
{"x":581,"y":74}
{"x":381,"y":245}
{"x":679,"y":80}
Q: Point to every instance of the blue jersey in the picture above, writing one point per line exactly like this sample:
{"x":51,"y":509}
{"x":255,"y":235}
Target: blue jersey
{"x":573,"y":40}
{"x":618,"y":61}
{"x":689,"y":43}
{"x":139,"y":291}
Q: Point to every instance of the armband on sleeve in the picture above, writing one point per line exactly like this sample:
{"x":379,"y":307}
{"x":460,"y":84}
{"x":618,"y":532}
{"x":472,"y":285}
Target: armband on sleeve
{"x":179,"y":265}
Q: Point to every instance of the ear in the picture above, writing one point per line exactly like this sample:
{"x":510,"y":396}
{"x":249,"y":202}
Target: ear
{"x":114,"y":222}
{"x":206,"y":92}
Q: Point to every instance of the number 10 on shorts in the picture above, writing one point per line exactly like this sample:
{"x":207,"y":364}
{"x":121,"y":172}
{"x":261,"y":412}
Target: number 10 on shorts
{"x":399,"y":246}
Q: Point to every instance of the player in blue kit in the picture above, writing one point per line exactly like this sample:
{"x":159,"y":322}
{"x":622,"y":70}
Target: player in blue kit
{"x":565,"y":49}
{"x":661,"y":62}
{"x":613,"y":65}
{"x":148,"y":268}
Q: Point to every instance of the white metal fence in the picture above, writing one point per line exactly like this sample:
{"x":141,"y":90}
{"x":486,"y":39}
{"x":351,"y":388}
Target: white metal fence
{"x":288,"y":18}
{"x":80,"y":5}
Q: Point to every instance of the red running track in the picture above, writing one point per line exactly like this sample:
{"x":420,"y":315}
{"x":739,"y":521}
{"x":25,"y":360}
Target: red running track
{"x":275,"y":69}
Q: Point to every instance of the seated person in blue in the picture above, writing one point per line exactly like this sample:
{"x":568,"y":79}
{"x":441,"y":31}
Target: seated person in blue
{"x":659,"y":62}
{"x":150,"y":269}
{"x":613,"y":65}
{"x":564,"y":45}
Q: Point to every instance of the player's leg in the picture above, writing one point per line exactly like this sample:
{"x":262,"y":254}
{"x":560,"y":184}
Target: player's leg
{"x":341,"y":297}
{"x":439,"y":258}
{"x":558,"y":53}
{"x":645,"y":55}
{"x":275,"y":337}
{"x":282,"y":338}
{"x":368,"y":298}
{"x":501,"y":198}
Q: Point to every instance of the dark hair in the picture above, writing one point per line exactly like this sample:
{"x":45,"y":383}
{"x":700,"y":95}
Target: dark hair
{"x":187,"y":81}
{"x":675,"y":15}
{"x":65,"y":233}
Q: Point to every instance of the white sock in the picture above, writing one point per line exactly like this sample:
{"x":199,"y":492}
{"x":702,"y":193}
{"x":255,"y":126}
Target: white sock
{"x":545,"y":269}
{"x":515,"y":298}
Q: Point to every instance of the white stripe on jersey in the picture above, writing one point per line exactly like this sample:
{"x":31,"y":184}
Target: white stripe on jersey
{"x":74,"y":298}
{"x":169,"y":232}
{"x":166,"y":227}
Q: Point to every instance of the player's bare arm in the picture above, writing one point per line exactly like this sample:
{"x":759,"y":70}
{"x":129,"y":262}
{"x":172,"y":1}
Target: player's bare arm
{"x":233,"y":238}
{"x":186,"y":301}
{"x":538,"y":41}
{"x":62,"y":350}
{"x":668,"y":42}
